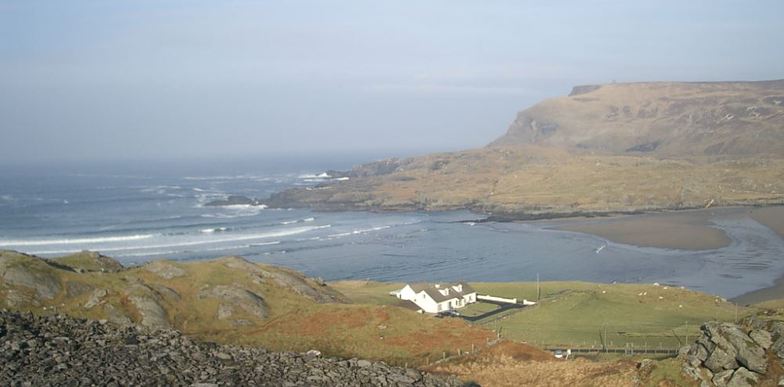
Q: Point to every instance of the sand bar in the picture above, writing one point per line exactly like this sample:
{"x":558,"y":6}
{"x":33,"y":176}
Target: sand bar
{"x":687,"y":230}
{"x":773,"y":217}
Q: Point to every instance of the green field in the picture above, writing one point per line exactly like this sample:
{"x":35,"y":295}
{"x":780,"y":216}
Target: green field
{"x":580,"y":315}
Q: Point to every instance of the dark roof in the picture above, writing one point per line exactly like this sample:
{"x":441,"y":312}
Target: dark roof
{"x":408,"y":305}
{"x":436,"y":295}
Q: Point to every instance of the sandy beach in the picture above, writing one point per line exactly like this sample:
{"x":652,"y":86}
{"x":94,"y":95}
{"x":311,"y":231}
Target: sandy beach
{"x":687,"y":230}
{"x":773,"y":217}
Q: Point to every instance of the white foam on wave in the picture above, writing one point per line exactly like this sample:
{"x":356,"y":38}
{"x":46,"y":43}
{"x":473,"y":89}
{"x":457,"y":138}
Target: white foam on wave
{"x":244,"y":206}
{"x":312,"y":176}
{"x":225,"y":177}
{"x":298,"y":221}
{"x":236,"y":238}
{"x":236,"y":211}
{"x":212,"y":230}
{"x":45,"y":242}
{"x":360,"y":231}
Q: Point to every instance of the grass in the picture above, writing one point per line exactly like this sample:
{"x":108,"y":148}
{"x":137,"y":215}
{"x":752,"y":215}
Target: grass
{"x":369,"y":329}
{"x":477,"y":309}
{"x":368,"y":292}
{"x":535,"y":180}
{"x":577,"y":314}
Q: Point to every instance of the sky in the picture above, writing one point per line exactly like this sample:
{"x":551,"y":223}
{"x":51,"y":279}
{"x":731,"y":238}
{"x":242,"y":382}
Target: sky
{"x":149,"y":79}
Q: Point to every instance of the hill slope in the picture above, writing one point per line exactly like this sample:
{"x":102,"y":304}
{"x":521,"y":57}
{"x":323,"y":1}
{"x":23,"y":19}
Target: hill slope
{"x":603,"y":149}
{"x":665,"y":118}
{"x":229,"y":300}
{"x":54,"y":350}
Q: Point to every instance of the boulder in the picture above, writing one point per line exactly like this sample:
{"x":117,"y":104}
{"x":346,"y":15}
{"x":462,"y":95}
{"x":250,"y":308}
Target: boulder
{"x":721,"y":379}
{"x":697,"y":354}
{"x":720,"y":360}
{"x":763,"y":338}
{"x":743,"y":378}
{"x":778,"y":347}
{"x":95,"y":298}
{"x":747,"y":352}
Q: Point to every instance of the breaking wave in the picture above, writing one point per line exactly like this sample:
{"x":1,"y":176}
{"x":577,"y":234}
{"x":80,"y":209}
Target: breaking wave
{"x":45,"y":242}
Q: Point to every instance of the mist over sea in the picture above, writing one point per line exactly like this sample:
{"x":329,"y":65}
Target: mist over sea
{"x":138,"y":212}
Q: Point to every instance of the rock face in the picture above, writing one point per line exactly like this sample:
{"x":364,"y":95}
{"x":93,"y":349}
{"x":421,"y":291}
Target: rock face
{"x":56,"y":350}
{"x":735,"y":355}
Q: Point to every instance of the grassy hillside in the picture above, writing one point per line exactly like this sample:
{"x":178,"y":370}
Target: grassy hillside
{"x":671,"y":119}
{"x":230,"y":300}
{"x":532,"y":181}
{"x":577,"y":314}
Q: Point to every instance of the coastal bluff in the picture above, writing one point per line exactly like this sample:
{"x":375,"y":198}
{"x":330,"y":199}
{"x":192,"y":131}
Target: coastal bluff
{"x":606,"y":149}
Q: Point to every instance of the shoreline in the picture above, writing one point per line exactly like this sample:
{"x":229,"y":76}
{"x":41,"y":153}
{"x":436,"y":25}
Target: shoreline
{"x":775,"y":292}
{"x":683,"y":230}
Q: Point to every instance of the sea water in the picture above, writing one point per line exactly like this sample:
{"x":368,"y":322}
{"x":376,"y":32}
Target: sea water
{"x":137,"y":213}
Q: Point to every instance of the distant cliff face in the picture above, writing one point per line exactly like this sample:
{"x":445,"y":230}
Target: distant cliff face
{"x":661,"y":118}
{"x":601,"y":149}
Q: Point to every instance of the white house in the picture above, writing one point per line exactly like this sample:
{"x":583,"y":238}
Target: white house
{"x":435,"y":298}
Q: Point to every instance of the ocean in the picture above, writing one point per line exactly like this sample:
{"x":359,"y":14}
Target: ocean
{"x":139,"y":212}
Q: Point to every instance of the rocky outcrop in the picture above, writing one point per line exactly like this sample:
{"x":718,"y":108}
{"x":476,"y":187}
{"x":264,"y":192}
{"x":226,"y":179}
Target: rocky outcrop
{"x":90,"y":261}
{"x":35,"y":276}
{"x":728,"y":354}
{"x":313,"y":289}
{"x":95,"y":298}
{"x":231,"y":298}
{"x":56,"y":350}
{"x":147,"y":303}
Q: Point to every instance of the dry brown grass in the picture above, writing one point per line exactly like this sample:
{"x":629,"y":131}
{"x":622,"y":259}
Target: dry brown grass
{"x":512,"y":364}
{"x":545,"y":181}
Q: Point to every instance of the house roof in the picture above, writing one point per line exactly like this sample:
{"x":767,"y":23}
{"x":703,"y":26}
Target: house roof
{"x":434,"y":293}
{"x":410,"y":305}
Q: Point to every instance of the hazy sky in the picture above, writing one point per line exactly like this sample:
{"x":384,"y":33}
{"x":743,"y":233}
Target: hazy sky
{"x":149,"y":79}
